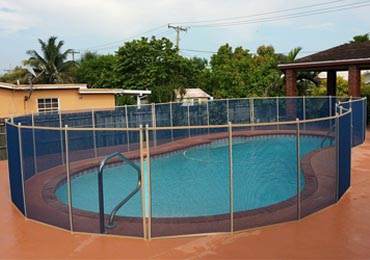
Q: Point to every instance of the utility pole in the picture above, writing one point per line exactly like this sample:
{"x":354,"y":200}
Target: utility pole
{"x":73,"y":52}
{"x":178,"y":29}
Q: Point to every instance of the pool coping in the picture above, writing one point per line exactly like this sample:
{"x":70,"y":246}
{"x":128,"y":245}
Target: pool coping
{"x":42,"y":204}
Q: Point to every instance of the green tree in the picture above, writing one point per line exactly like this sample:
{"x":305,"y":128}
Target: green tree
{"x":89,"y":55}
{"x":154,"y":64}
{"x":227,"y":77}
{"x":264,"y":75}
{"x":342,"y":88}
{"x":17,"y":74}
{"x":52,"y":63}
{"x":98,"y":71}
{"x":361,"y":38}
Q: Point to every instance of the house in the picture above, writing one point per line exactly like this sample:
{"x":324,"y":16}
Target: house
{"x":353,"y":57}
{"x":193,"y":96}
{"x":16,"y":100}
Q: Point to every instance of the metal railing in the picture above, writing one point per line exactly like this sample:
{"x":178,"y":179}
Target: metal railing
{"x":101,"y":190}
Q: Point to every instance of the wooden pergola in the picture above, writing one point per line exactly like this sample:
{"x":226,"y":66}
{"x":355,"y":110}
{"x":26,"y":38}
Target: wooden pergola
{"x":351,"y":57}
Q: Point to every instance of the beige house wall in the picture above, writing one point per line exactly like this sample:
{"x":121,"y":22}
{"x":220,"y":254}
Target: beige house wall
{"x":13,"y":103}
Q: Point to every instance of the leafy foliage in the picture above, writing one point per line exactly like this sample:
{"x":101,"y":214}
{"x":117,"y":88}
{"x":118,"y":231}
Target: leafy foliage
{"x":156,"y":65}
{"x":52,"y":63}
{"x":98,"y":71}
{"x":305,"y":79}
{"x":240,"y":74}
{"x":342,"y":88}
{"x":15,"y":75}
{"x":361,"y":38}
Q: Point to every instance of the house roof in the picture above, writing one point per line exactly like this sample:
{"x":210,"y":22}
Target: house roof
{"x":41,"y":86}
{"x":192,"y":93}
{"x":82,"y":88}
{"x":337,"y":58}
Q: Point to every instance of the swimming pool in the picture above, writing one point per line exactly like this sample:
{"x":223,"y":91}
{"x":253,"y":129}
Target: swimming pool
{"x":195,"y":182}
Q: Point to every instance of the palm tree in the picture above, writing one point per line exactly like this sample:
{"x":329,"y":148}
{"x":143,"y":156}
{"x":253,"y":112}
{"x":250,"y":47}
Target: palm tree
{"x":52,"y":64}
{"x":304,"y":78}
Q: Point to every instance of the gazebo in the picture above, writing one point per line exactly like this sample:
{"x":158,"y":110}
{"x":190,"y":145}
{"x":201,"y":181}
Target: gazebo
{"x":351,"y":57}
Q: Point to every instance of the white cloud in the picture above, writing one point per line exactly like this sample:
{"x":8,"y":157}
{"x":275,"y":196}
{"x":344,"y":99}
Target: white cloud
{"x":13,"y":18}
{"x":87,"y":23}
{"x":114,"y":17}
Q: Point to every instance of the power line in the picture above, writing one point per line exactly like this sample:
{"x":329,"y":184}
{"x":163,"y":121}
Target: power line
{"x":236,"y":21}
{"x":115,"y":43}
{"x":220,"y":23}
{"x":261,"y":14}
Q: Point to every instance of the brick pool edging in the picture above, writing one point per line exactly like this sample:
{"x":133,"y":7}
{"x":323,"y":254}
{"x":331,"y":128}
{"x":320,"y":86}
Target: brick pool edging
{"x":42,"y":204}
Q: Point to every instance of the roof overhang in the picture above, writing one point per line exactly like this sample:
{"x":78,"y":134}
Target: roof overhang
{"x":82,"y":89}
{"x":42,"y":86}
{"x":115,"y":91}
{"x":90,"y":91}
{"x":327,"y":65}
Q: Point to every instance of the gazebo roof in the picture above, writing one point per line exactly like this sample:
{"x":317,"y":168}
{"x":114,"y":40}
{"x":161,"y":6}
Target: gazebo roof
{"x":337,"y":58}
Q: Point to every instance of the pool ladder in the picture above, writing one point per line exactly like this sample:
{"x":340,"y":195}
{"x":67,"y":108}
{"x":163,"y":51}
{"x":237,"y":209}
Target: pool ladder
{"x":101,"y":193}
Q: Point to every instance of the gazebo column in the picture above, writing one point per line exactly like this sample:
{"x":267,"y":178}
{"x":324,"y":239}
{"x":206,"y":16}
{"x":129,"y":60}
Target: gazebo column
{"x":331,"y":83}
{"x":354,"y":81}
{"x":291,"y":83}
{"x":291,"y":91}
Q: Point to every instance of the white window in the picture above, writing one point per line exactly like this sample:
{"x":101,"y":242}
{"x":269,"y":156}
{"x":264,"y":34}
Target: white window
{"x":47,"y":105}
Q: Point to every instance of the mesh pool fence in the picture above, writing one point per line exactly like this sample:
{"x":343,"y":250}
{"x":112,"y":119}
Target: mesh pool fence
{"x":205,"y":168}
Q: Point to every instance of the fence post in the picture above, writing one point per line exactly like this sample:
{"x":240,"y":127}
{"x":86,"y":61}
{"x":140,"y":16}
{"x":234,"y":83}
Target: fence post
{"x":227,"y":111}
{"x":251,"y":110}
{"x":61,"y":136}
{"x":69,"y":187}
{"x":154,"y":124}
{"x":189,"y":120}
{"x":21,"y":166}
{"x":352,"y":135}
{"x":34,"y":145}
{"x":128,"y":132}
{"x":171,"y":121}
{"x":94,"y":134}
{"x":143,"y":181}
{"x":337,"y":158}
{"x":208,"y":115}
{"x":298,"y":171}
{"x":364,"y":112}
{"x":304,"y":111}
{"x":277,"y":112}
{"x":231,"y":178}
{"x":148,"y":199}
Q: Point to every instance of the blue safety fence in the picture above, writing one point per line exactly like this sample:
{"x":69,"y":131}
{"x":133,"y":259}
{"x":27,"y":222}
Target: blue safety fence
{"x":221,"y":137}
{"x":344,"y":154}
{"x":15,"y":167}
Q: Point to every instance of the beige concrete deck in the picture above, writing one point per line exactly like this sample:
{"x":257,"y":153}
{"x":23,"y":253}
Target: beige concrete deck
{"x":339,"y":232}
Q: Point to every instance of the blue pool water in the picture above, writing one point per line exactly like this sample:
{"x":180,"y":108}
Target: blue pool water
{"x":196,"y":182}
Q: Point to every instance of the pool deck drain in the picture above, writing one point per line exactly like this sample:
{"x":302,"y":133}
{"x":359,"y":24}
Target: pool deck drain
{"x":341,"y":231}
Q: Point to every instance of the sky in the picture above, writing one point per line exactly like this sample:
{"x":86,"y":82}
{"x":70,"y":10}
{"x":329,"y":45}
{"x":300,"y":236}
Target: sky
{"x":103,"y":26}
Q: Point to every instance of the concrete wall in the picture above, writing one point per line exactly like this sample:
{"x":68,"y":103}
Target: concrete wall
{"x":12,"y":102}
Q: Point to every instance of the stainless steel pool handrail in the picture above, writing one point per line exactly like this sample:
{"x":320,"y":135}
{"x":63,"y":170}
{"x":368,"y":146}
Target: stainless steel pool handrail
{"x":101,"y":193}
